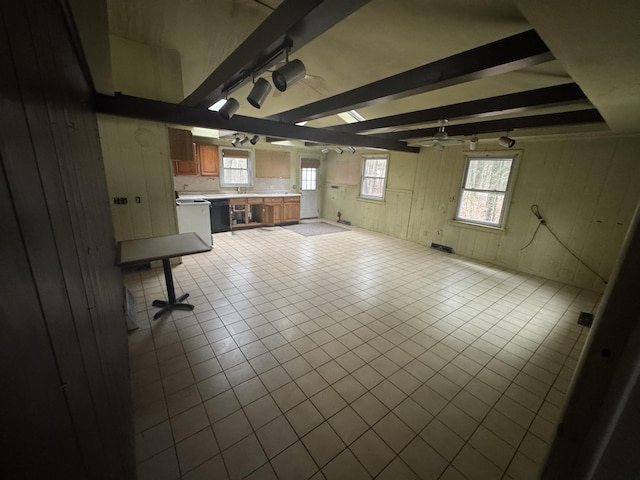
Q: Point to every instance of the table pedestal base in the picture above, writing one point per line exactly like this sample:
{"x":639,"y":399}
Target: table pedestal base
{"x":166,"y":306}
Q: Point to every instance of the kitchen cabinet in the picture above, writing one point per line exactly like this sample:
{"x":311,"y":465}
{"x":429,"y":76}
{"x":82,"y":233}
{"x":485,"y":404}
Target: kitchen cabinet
{"x":291,"y":210}
{"x":246,"y":212}
{"x":207,"y":158}
{"x":272,"y":211}
{"x":180,"y":145}
{"x":180,"y":141}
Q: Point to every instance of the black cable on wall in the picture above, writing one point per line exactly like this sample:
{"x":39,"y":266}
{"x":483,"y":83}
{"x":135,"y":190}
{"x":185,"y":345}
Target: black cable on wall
{"x":542,"y":222}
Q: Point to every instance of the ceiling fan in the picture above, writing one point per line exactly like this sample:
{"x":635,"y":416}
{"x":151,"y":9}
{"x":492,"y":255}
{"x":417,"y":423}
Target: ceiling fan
{"x":440,"y":139}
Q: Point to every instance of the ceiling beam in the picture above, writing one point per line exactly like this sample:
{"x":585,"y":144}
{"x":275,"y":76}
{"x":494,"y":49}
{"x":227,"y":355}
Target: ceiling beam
{"x":135,"y":107}
{"x":511,"y":53}
{"x":503,"y":125}
{"x":504,"y":104}
{"x":292,"y":25}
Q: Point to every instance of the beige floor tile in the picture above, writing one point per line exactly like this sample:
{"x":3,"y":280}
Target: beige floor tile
{"x":323,"y":444}
{"x":276,"y":436}
{"x":294,"y":463}
{"x":244,"y":457}
{"x":345,"y":467}
{"x":196,"y":449}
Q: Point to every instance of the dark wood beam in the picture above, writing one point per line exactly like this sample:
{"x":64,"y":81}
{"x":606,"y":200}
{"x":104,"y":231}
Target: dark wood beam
{"x":294,"y":24}
{"x":503,"y":125}
{"x":515,"y":102}
{"x":135,"y":107}
{"x":512,"y":53}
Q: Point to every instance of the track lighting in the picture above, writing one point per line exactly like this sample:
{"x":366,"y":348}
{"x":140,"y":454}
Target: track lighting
{"x":229,"y":109}
{"x":259,"y":92}
{"x":506,"y":142}
{"x":244,"y":140}
{"x":255,"y":139}
{"x":287,"y":75}
{"x":351,"y":149}
{"x":339,"y":150}
{"x":473,"y":144}
{"x":235,"y":141}
{"x":324,"y":151}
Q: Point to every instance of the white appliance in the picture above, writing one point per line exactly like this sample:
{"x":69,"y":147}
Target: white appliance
{"x":194,"y":216}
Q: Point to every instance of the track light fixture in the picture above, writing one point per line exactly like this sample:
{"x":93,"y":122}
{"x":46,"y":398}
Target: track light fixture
{"x":255,"y":139}
{"x":324,"y":151}
{"x":290,"y":73}
{"x":473,"y":143}
{"x":259,"y":92}
{"x":235,"y":141}
{"x":351,"y":149}
{"x":506,"y":142}
{"x":339,"y":150}
{"x":230,"y":107}
{"x":244,"y":140}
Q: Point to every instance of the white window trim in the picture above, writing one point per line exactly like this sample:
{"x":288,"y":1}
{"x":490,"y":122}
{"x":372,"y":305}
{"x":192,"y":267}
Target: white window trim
{"x":250,"y":167}
{"x":366,"y":157}
{"x":497,"y":155}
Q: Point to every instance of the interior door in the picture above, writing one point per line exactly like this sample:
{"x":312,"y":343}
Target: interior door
{"x":310,"y":197}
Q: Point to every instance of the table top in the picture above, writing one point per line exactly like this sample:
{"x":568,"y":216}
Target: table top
{"x":143,"y":250}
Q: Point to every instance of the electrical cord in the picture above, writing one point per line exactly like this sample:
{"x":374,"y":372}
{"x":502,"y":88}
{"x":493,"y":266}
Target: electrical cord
{"x":541,"y":221}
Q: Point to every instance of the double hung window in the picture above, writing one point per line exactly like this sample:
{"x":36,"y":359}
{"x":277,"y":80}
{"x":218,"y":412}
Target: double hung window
{"x":485,"y":190}
{"x":374,"y":176}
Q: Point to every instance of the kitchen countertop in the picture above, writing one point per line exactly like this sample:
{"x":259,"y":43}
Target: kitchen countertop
{"x":196,"y":196}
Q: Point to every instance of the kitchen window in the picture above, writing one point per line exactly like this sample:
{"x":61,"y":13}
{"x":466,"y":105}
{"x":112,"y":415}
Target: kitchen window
{"x":235,"y":167}
{"x":374,"y":176}
{"x":486,"y":189}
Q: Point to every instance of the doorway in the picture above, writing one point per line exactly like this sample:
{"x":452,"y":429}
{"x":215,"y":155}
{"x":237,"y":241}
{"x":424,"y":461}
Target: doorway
{"x":310,"y":197}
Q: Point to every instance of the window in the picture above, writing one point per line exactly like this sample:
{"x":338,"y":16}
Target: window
{"x":235,"y":168}
{"x":485,"y":190}
{"x":308,"y":179}
{"x":374,"y":174}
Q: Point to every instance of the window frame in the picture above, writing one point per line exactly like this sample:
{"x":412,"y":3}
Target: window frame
{"x":365,"y":158}
{"x":250,"y":167}
{"x":514,"y":156}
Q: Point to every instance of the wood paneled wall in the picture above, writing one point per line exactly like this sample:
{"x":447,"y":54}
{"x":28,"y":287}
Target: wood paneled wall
{"x":65,"y":408}
{"x":586,"y":188}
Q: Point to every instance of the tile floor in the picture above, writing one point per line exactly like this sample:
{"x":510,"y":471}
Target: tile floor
{"x":351,"y":355}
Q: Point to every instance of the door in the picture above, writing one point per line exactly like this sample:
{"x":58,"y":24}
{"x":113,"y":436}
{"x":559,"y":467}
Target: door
{"x":310,"y":197}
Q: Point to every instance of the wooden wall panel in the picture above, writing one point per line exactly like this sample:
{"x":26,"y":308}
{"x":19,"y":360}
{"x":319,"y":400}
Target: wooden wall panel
{"x":67,"y":404}
{"x":586,"y":188}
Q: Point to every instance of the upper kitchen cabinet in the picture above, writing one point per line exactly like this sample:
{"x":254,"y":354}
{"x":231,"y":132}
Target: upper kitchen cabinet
{"x":180,"y":145}
{"x":208,"y":160}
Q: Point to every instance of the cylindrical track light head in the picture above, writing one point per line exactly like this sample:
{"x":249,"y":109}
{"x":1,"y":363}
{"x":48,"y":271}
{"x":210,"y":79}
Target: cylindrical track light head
{"x":473,"y":144}
{"x":339,"y":150}
{"x":288,"y":74}
{"x":259,"y":92}
{"x":229,"y":108}
{"x":235,"y":141}
{"x":506,"y":142}
{"x":351,"y":149}
{"x":244,"y":140}
{"x":255,"y":139}
{"x":324,"y":151}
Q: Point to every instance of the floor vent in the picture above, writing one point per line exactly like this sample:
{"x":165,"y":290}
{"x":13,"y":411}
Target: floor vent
{"x":442,"y":248}
{"x":585,"y":319}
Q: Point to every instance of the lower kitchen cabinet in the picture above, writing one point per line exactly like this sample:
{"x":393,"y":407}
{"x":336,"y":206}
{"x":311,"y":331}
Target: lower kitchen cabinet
{"x":263,"y":211}
{"x":291,"y":210}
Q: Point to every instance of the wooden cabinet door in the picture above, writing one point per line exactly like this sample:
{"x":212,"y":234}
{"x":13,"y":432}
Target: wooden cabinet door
{"x":277,"y":214}
{"x":185,"y":168}
{"x":291,"y":211}
{"x":180,"y":145}
{"x":208,"y":159}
